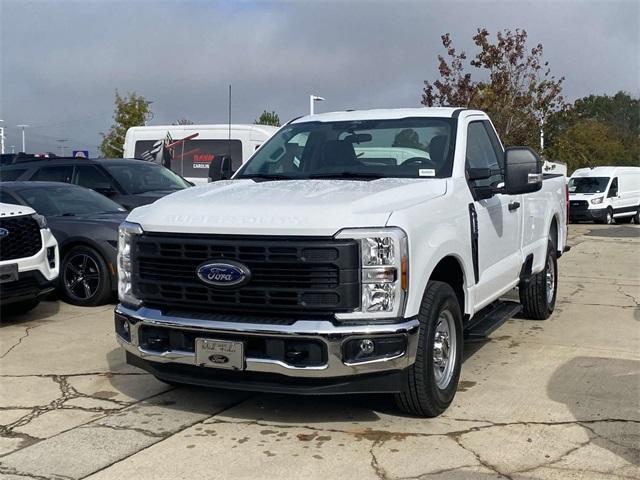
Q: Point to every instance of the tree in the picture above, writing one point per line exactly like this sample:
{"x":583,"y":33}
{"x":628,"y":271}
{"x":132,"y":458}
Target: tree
{"x":268,"y":118}
{"x":517,"y":89}
{"x":131,"y":110}
{"x":587,"y":143}
{"x":183,"y":121}
{"x":596,"y":130}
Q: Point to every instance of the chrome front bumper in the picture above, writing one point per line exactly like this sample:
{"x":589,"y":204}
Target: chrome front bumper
{"x":320,"y":330}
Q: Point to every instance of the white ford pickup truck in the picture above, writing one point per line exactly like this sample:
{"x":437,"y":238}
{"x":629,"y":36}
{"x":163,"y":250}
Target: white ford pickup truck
{"x":354,"y":252}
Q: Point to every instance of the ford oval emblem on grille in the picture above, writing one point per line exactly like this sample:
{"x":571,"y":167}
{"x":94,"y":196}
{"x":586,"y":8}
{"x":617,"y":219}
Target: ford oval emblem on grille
{"x":3,"y":232}
{"x":225,"y":273}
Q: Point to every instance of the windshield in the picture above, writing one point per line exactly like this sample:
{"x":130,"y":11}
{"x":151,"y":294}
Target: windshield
{"x":145,"y":177}
{"x":588,"y":184}
{"x":67,"y":200}
{"x":368,"y":149}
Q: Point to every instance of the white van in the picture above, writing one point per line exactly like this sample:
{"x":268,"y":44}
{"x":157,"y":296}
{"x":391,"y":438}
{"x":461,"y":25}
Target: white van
{"x":192,"y":157}
{"x":603,"y":194}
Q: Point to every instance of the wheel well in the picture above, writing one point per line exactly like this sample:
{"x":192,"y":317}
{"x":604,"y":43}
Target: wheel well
{"x":448,"y":270}
{"x":553,"y":232}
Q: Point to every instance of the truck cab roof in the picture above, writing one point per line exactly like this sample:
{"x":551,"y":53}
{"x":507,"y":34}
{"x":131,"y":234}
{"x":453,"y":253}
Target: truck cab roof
{"x":387,"y":114}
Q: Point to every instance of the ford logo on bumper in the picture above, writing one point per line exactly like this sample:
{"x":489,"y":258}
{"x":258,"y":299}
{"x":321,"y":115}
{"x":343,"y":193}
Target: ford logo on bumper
{"x":225,"y":273}
{"x":3,"y":232}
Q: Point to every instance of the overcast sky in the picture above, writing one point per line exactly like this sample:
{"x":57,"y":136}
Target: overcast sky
{"x":60,"y":61}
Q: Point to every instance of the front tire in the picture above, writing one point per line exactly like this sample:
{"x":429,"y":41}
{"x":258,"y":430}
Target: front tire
{"x":433,"y":379}
{"x":84,"y":277}
{"x":538,"y":298}
{"x":636,"y":217}
{"x":608,"y":219}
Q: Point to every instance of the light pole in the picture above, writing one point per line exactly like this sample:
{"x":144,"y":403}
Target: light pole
{"x":312,"y":100}
{"x":1,"y":137}
{"x":62,"y":141}
{"x":24,"y":145}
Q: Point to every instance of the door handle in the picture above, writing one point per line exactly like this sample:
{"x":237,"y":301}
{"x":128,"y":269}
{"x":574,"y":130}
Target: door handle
{"x":514,"y":206}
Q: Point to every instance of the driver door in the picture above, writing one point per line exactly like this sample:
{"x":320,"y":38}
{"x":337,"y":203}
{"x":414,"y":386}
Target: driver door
{"x":499,"y":218}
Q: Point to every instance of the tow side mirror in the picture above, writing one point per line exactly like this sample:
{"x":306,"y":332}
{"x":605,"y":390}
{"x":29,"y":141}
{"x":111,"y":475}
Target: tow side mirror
{"x":220,"y":168}
{"x":522,"y":171}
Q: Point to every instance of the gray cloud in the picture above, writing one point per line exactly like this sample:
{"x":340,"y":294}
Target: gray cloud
{"x":61,"y":60}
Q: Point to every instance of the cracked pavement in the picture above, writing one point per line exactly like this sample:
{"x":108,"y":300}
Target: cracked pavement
{"x":538,"y":400}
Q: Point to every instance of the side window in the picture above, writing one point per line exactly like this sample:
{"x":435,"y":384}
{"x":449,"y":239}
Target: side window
{"x":10,"y":174}
{"x":6,"y":197}
{"x":90,"y":177}
{"x":59,"y":173}
{"x":481,"y":153}
{"x":613,"y":189}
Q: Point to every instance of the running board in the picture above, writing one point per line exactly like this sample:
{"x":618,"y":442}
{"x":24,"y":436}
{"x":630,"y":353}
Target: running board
{"x":489,"y":319}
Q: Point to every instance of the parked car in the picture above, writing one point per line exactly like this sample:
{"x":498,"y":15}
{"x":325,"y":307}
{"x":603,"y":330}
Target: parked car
{"x":203,"y":143}
{"x":29,"y":258}
{"x":86,"y":226}
{"x":605,"y":194}
{"x":323,"y":270}
{"x":131,"y":183}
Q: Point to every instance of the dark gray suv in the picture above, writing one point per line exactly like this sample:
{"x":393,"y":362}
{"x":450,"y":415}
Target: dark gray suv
{"x":131,"y":183}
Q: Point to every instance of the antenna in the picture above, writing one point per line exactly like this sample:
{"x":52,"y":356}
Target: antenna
{"x":229,"y":140}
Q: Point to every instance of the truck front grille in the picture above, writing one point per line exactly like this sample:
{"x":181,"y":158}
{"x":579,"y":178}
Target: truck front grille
{"x":578,"y":204}
{"x":22,"y":238}
{"x":288,"y":275}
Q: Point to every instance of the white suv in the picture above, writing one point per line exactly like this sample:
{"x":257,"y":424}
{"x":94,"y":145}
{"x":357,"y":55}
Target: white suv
{"x":29,"y":258}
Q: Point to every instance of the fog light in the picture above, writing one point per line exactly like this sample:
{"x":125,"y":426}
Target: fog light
{"x":51,"y":256}
{"x":366,"y":349}
{"x":367,"y":346}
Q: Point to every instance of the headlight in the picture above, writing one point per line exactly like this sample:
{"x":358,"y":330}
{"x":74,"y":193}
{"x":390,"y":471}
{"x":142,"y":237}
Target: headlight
{"x":40,"y":220}
{"x":596,"y":201}
{"x":125,"y":236}
{"x":384,"y":272}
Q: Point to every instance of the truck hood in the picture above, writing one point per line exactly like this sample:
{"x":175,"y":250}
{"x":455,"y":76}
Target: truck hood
{"x":290,"y":207}
{"x":10,"y":210}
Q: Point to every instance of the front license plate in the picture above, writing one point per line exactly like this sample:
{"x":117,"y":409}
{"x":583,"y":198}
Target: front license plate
{"x":219,"y":354}
{"x":8,"y":273}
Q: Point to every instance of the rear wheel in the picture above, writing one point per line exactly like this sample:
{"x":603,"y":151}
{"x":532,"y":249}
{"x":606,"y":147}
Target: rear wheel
{"x":538,"y":298}
{"x":433,"y":379}
{"x":84,"y":277}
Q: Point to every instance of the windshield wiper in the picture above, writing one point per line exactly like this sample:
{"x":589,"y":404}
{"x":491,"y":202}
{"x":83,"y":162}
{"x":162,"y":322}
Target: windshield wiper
{"x":265,"y":176}
{"x":348,"y":175}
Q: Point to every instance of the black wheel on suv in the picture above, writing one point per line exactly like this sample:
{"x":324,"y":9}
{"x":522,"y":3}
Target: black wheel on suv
{"x":433,"y":378}
{"x":538,"y":298}
{"x":84,"y":277}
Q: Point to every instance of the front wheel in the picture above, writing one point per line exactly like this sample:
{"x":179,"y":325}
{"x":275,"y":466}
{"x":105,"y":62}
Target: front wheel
{"x":636,"y":217}
{"x":84,"y":277}
{"x":433,"y":379}
{"x":538,"y":298}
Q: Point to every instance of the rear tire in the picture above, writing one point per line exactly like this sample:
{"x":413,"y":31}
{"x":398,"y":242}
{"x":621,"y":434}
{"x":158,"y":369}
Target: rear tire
{"x":433,"y":379}
{"x":84,"y":277}
{"x":538,"y":298}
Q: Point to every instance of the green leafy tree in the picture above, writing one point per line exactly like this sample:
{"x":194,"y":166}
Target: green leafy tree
{"x":587,"y":143}
{"x":516,"y":87}
{"x":618,"y":114}
{"x":268,"y":118}
{"x":131,"y":110}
